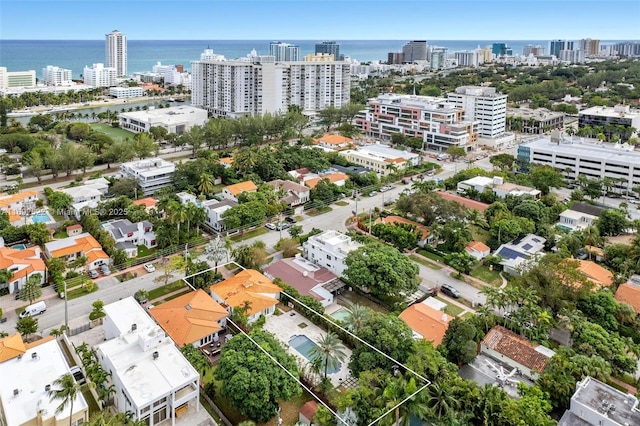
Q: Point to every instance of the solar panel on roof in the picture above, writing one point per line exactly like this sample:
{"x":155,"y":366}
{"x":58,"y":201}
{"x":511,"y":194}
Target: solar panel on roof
{"x":527,"y":246}
{"x":536,"y":240}
{"x":507,"y":253}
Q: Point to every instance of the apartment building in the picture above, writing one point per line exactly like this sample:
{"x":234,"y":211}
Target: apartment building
{"x":152,"y":379}
{"x":116,"y":52}
{"x":28,"y":371}
{"x":484,"y":105}
{"x":329,"y":250}
{"x":11,"y":79}
{"x":151,"y":174}
{"x":99,"y":76}
{"x":555,"y":46}
{"x":284,"y":52}
{"x":56,"y":76}
{"x":178,"y":119}
{"x":415,"y":51}
{"x":22,"y":264}
{"x":619,"y":115}
{"x":590,"y":47}
{"x":258,"y":85}
{"x":75,"y":247}
{"x":468,"y":58}
{"x":589,"y":157}
{"x":537,"y":121}
{"x":126,"y":92}
{"x":439,"y":123}
{"x":329,"y":47}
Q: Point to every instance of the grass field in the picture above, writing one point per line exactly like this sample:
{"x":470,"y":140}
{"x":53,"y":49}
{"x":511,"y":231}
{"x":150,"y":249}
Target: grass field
{"x":479,"y":234}
{"x":341,"y":203}
{"x":169,"y":288}
{"x":318,"y":211}
{"x":430,"y":255}
{"x":424,"y":262}
{"x":490,"y":277}
{"x":451,"y":309}
{"x":143,"y":251}
{"x":249,"y":234}
{"x":112,"y":132}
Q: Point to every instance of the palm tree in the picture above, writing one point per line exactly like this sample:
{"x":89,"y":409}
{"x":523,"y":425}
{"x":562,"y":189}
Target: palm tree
{"x":67,"y":392}
{"x":592,"y":237}
{"x":396,"y":390}
{"x":205,"y":184}
{"x":441,"y":399}
{"x":177,"y":214}
{"x":358,"y":317}
{"x":329,"y":352}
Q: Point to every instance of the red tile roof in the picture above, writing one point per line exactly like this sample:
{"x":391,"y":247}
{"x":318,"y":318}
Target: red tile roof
{"x":468,"y":203}
{"x":629,"y":294}
{"x":515,"y":347}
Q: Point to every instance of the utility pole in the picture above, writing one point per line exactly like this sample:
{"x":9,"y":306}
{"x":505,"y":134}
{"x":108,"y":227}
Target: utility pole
{"x":66,"y":310}
{"x":369,"y":220}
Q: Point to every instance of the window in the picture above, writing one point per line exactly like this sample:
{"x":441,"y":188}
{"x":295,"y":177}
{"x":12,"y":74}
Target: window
{"x":328,"y":257}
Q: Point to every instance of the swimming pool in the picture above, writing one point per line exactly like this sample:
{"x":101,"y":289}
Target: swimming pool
{"x":303,"y":345}
{"x":19,"y":246}
{"x":41,"y":217}
{"x":342,"y":314}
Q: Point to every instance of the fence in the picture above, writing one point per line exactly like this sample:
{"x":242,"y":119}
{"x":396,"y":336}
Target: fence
{"x":78,"y":330}
{"x":215,"y":407}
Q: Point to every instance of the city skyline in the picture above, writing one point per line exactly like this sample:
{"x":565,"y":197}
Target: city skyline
{"x":294,"y":19}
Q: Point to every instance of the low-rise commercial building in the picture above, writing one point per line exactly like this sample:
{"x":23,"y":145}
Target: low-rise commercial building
{"x":537,"y":121}
{"x":620,"y":115}
{"x":153,"y":380}
{"x":28,"y":372}
{"x":151,"y":174}
{"x":175,"y":120}
{"x":126,"y":92}
{"x":589,"y":157}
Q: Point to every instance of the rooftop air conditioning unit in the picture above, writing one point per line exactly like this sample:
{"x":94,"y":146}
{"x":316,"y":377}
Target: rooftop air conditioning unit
{"x":155,"y":355}
{"x":34,"y":355}
{"x":134,"y":327}
{"x":16,"y":392}
{"x":47,"y":388}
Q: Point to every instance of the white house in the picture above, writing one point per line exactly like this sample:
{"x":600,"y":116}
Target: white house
{"x":23,"y":264}
{"x":129,"y":236}
{"x":294,"y":194}
{"x":231,"y":192}
{"x":151,"y":174}
{"x":153,"y":380}
{"x":477,"y":249}
{"x":101,"y":184}
{"x":579,"y":216}
{"x":28,"y":372}
{"x":516,"y":254}
{"x":498,"y":186}
{"x":83,"y":196}
{"x":329,"y":250}
{"x":213,"y":208}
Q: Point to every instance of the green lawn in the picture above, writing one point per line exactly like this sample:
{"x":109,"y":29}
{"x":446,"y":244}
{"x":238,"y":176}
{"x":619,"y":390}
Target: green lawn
{"x":177,"y":295}
{"x":430,"y":255}
{"x":424,"y":262}
{"x":341,"y":203}
{"x":451,"y":309}
{"x":60,"y":235}
{"x":319,"y":210}
{"x":479,"y":234}
{"x":490,"y":277}
{"x":112,"y":132}
{"x":169,"y":288}
{"x":143,"y":251}
{"x":249,"y":234}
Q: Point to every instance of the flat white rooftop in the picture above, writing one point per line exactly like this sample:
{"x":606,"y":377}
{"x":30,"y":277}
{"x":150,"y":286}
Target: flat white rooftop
{"x":388,"y":152}
{"x":176,"y":113}
{"x":336,"y":239}
{"x":586,"y":148}
{"x":126,"y":312}
{"x":617,"y":111}
{"x":30,"y":376}
{"x":148,"y":167}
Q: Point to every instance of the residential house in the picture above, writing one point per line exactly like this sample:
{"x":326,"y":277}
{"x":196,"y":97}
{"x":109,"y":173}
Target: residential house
{"x":426,"y":322}
{"x":152,"y":379}
{"x":28,"y":372}
{"x":151,"y":174}
{"x":478,"y":250}
{"x":498,"y":186}
{"x":73,"y":230}
{"x":232,"y":192}
{"x":333,"y":142}
{"x":579,"y":216}
{"x":77,"y":246}
{"x":597,"y":404}
{"x":22,"y":264}
{"x":129,"y":236}
{"x":247,"y":288}
{"x":307,"y":278}
{"x":215,"y":209}
{"x":520,"y":252}
{"x":601,"y":277}
{"x":336,"y":178}
{"x":596,"y":253}
{"x":101,"y":184}
{"x":423,"y":231}
{"x":294,"y":194}
{"x":193,"y":318}
{"x":516,"y":351}
{"x":629,"y":293}
{"x":329,"y":250}
{"x":18,"y":205}
{"x":148,"y":203}
{"x":83,"y":196}
{"x":468,"y":203}
{"x":227,"y":162}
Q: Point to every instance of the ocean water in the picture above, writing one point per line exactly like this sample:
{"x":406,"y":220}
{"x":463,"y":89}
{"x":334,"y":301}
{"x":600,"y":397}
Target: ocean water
{"x":21,"y":55}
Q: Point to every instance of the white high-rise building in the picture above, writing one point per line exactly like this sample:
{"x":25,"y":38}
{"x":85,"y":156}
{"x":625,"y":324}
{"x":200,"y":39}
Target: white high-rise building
{"x":484,"y":105}
{"x":259,"y":85}
{"x":467,"y":58}
{"x":99,"y":76}
{"x":56,"y":76}
{"x":116,"y":52}
{"x":572,"y":56}
{"x":284,"y":51}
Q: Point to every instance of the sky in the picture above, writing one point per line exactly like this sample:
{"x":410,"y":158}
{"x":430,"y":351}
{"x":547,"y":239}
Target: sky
{"x":320,"y":19}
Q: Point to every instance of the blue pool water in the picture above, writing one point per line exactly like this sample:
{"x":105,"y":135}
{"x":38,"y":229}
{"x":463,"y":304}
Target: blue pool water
{"x":342,"y":314}
{"x":303,"y":345}
{"x":19,"y":247}
{"x":41,"y":217}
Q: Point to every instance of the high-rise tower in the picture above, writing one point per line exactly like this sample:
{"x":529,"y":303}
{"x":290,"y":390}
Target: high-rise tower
{"x":116,"y":52}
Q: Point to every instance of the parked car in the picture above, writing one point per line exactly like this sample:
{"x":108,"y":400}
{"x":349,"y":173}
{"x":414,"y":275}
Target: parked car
{"x":105,"y":270}
{"x":373,"y":193}
{"x":140,"y":298}
{"x":149,"y":267}
{"x":93,"y":274}
{"x":386,"y":188}
{"x":450,"y":291}
{"x":283,"y":226}
{"x":290,"y":219}
{"x":271,"y":226}
{"x":429,"y":174}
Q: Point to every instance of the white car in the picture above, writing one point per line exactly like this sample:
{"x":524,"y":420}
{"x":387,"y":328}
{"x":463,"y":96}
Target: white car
{"x":149,"y":267}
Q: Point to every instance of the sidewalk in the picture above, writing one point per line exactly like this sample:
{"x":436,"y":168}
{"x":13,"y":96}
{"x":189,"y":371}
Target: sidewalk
{"x":478,"y":283}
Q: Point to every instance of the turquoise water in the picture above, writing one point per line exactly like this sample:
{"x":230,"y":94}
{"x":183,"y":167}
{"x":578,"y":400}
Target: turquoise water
{"x":19,"y":247}
{"x":41,"y":217}
{"x":342,"y":314}
{"x":303,"y":345}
